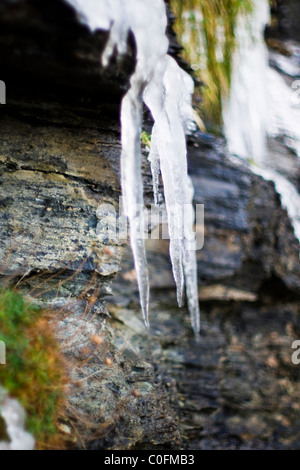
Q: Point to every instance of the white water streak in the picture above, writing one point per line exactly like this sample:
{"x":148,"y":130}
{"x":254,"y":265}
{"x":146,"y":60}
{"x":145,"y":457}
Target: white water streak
{"x":260,"y":104}
{"x":245,"y":113}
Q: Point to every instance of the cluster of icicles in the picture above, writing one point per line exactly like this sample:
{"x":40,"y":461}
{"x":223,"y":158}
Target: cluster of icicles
{"x":166,"y":90}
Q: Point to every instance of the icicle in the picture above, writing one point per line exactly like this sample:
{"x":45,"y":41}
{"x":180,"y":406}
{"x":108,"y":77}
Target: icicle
{"x":132,"y":187}
{"x":166,"y":90}
{"x":190,"y":261}
{"x":170,"y":104}
{"x":14,"y":417}
{"x":155,"y":167}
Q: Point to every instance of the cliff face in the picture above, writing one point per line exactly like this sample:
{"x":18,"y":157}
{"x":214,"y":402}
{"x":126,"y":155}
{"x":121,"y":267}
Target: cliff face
{"x":59,"y":155}
{"x":238,"y":388}
{"x":286,"y":14}
{"x":59,"y":147}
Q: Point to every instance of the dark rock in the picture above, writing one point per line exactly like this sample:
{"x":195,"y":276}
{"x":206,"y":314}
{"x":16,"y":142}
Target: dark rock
{"x":46,"y":54}
{"x":286,"y":14}
{"x":60,"y":148}
{"x":237,"y":388}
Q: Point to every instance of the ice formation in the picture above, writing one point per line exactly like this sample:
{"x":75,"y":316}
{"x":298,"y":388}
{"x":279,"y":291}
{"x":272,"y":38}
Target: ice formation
{"x":245,"y":113}
{"x":285,"y":111}
{"x":259,"y":106}
{"x":14,"y":417}
{"x":166,"y":90}
{"x":290,"y":198}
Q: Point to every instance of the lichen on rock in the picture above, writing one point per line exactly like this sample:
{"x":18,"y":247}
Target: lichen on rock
{"x":34,"y":374}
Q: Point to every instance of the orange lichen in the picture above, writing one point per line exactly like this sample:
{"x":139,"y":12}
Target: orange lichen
{"x":34,"y":373}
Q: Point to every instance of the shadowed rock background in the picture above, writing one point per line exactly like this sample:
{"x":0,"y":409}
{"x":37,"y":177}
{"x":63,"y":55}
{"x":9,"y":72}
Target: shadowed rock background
{"x":59,"y":161}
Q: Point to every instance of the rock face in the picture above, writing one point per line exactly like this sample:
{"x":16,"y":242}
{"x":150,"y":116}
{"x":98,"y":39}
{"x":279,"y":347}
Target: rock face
{"x":59,"y":148}
{"x":238,"y":388}
{"x":287,"y":14}
{"x":130,"y":389}
{"x":244,"y":247}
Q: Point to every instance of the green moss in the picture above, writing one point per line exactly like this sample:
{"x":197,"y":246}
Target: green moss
{"x":33,"y":372}
{"x":206,"y":28}
{"x":146,"y":139}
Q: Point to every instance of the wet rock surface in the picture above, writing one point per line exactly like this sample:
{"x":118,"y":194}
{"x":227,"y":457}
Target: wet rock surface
{"x":286,"y":19}
{"x":60,"y":145}
{"x":132,"y":389}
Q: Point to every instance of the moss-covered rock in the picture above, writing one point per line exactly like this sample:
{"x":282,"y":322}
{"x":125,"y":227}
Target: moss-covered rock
{"x":34,"y":370}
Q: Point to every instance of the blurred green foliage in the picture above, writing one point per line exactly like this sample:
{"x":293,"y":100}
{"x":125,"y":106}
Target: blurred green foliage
{"x":33,"y":372}
{"x":146,"y":139}
{"x":206,"y":29}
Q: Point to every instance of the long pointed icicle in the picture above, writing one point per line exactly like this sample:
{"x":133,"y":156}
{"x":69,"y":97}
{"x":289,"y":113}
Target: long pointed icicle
{"x":171,"y":110}
{"x":155,"y":166}
{"x":190,"y":261}
{"x":132,"y":188}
